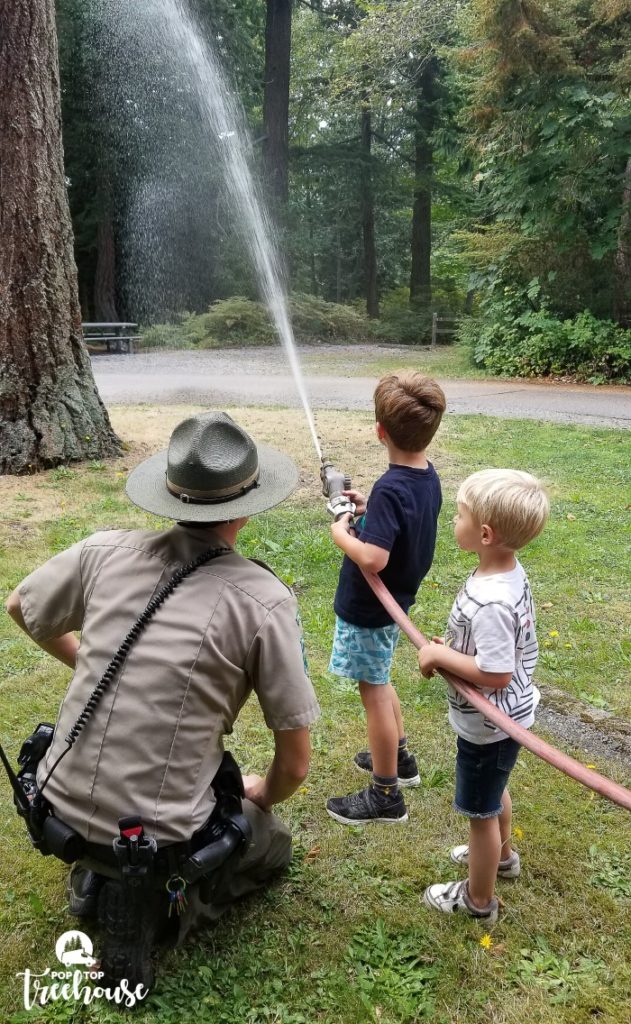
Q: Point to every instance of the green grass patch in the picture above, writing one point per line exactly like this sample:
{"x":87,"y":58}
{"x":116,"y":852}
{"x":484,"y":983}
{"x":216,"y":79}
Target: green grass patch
{"x":451,"y":361}
{"x":343,"y":938}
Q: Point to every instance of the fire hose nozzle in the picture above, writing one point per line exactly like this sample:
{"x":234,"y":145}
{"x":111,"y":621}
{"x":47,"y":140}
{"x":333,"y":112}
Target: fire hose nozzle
{"x":334,"y":484}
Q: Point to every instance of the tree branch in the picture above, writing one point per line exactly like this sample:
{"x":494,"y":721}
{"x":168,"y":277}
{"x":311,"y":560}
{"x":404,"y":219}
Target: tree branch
{"x":394,"y":149}
{"x":310,"y":7}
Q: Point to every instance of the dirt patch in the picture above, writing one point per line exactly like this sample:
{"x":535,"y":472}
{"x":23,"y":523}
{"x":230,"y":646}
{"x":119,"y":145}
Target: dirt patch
{"x":345,"y":437}
{"x":27,"y":498}
{"x":145,"y":430}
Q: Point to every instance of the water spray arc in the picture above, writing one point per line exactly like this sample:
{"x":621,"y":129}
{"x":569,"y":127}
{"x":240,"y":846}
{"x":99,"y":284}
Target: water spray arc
{"x":334,"y":483}
{"x":171,"y":24}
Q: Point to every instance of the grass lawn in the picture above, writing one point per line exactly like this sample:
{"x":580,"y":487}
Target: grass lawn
{"x":344,"y":937}
{"x":446,"y":361}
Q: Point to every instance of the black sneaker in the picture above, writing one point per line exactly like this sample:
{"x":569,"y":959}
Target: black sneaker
{"x":407,"y":768}
{"x":368,"y":805}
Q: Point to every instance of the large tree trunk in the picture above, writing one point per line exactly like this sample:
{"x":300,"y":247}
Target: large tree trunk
{"x":368,"y":215}
{"x":312,"y":255}
{"x":50,"y":410}
{"x":105,"y":274}
{"x":622,"y":282}
{"x":276,"y":97}
{"x":420,"y":275}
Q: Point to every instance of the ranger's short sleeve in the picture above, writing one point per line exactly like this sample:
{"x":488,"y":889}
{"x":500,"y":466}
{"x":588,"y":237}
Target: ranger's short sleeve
{"x":52,"y":598}
{"x":277,"y":666}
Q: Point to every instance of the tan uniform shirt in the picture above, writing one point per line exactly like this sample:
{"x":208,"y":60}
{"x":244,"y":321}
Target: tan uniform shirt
{"x":154,"y":743}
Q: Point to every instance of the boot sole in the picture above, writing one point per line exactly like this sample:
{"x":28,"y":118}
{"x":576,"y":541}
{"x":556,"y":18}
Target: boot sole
{"x":368,"y":821}
{"x":84,"y":908}
{"x":414,"y":780}
{"x":128,"y":938}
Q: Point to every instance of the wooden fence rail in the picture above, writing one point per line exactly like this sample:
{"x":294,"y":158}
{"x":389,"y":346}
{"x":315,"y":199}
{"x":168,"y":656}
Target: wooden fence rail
{"x":437,"y":320}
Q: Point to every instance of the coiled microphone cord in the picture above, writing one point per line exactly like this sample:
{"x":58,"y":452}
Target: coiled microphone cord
{"x":117,"y":661}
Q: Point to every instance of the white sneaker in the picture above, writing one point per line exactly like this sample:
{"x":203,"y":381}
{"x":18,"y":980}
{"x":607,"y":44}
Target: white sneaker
{"x":509,"y":868}
{"x":451,"y":897}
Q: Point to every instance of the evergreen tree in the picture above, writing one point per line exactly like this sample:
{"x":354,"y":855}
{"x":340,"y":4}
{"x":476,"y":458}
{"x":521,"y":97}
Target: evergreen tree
{"x":50,"y":411}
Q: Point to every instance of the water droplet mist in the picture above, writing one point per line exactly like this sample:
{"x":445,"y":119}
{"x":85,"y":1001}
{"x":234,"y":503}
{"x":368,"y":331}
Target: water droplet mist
{"x":169,"y":28}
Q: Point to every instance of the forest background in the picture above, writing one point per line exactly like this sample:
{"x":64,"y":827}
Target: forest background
{"x":471,"y":157}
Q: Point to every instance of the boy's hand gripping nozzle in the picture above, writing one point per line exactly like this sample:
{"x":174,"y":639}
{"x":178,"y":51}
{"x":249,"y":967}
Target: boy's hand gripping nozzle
{"x":334,"y":484}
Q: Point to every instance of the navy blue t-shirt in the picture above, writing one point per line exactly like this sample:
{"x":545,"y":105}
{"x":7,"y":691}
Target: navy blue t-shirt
{"x":401,"y":517}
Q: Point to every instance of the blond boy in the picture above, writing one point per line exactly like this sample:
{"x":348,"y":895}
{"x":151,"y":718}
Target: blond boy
{"x":491,"y":642}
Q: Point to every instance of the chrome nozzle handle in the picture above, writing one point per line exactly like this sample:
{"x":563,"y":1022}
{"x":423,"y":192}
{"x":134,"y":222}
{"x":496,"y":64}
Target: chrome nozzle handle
{"x":340,"y":505}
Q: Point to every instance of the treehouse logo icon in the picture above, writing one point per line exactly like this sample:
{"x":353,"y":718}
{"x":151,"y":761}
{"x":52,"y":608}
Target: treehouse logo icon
{"x":74,"y":948}
{"x":80,"y":981}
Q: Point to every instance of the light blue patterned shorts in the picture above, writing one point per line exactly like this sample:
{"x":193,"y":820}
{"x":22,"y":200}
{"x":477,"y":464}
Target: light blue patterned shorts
{"x":360,"y":652}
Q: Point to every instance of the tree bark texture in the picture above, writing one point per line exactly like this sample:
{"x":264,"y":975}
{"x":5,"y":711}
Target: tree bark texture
{"x":50,"y":410}
{"x":421,"y":243}
{"x":105,"y":274}
{"x":622,"y":262}
{"x":368,"y":214}
{"x":276,"y":97}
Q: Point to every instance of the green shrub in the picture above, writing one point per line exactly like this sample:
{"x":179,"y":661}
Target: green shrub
{"x":239,"y":321}
{"x":229,"y":322}
{"x":314,"y":319}
{"x":512,"y":339}
{"x":403,"y":326}
{"x":235,"y":321}
{"x":164,"y":336}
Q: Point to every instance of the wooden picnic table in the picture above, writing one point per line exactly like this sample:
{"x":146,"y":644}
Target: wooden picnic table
{"x":116,"y":335}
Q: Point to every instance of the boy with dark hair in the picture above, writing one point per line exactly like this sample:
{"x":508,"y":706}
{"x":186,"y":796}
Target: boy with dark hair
{"x":394,"y":536}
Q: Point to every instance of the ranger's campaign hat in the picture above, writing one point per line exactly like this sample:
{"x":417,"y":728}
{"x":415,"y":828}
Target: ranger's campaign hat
{"x":212,"y":471}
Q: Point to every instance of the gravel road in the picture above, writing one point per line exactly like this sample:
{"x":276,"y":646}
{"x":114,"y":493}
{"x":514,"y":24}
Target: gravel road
{"x":260,"y":377}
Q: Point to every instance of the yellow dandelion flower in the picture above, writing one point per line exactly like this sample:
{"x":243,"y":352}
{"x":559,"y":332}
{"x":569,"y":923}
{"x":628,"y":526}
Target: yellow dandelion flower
{"x":590,"y":765}
{"x":518,"y":832}
{"x":486,"y":942}
{"x":304,"y":790}
{"x":553,"y":632}
{"x":568,"y":645}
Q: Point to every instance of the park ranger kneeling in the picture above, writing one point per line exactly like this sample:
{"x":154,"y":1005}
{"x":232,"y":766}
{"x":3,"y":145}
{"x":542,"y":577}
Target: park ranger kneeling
{"x":176,"y":631}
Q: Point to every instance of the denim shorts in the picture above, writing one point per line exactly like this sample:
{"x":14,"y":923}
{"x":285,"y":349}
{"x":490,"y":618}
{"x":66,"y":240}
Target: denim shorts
{"x":362,"y":653}
{"x":482,"y":771}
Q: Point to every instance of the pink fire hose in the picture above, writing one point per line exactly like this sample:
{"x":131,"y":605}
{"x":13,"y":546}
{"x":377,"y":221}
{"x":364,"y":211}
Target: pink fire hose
{"x":587,"y":776}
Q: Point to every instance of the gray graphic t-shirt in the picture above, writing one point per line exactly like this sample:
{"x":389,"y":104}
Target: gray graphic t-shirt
{"x":493,"y":619}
